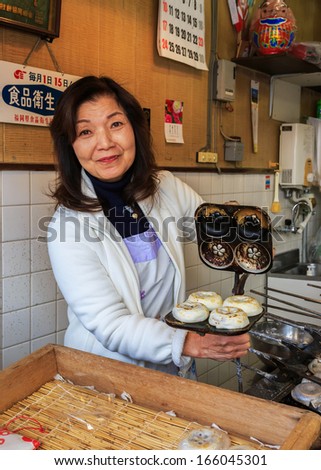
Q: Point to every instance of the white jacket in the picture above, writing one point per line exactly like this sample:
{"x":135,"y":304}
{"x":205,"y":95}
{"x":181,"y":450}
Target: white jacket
{"x":99,"y":282}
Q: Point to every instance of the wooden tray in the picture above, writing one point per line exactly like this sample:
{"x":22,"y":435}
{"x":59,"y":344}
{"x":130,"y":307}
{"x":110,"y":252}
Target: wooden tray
{"x":240,"y":415}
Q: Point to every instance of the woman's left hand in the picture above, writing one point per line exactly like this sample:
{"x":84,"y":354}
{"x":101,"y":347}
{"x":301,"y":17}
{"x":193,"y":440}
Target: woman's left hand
{"x":217,"y":347}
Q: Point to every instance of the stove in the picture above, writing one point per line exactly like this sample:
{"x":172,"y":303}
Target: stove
{"x":277,"y":383}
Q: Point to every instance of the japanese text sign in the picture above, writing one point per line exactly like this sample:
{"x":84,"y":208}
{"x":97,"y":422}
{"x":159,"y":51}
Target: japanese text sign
{"x":29,"y":95}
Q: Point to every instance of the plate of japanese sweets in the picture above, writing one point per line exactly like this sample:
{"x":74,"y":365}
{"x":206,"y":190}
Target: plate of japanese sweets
{"x":207,"y":312}
{"x":234,"y":238}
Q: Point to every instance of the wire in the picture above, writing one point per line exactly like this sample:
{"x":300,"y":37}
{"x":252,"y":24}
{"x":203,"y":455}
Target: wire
{"x":229,"y":108}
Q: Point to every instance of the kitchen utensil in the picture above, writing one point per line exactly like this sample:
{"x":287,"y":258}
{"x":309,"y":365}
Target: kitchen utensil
{"x":234,"y":238}
{"x":315,"y":366}
{"x":305,"y":392}
{"x":266,"y":375}
{"x":255,"y":86}
{"x":296,"y":370}
{"x":281,"y":340}
{"x":283,"y":309}
{"x":304,"y":309}
{"x":276,"y":205}
{"x":303,"y":297}
{"x":204,"y":327}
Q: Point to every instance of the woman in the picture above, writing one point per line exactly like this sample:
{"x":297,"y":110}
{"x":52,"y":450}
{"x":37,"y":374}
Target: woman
{"x":115,"y":240}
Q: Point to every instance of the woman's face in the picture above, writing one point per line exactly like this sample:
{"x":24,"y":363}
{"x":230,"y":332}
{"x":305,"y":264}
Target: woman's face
{"x":105,"y":140}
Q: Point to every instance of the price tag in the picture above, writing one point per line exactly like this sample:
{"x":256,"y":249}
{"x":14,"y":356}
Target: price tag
{"x":181,"y":32}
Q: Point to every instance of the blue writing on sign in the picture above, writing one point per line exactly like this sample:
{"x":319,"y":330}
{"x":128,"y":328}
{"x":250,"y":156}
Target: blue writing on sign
{"x":39,"y":99}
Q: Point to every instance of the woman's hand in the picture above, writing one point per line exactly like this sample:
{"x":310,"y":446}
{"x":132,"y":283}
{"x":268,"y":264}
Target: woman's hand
{"x":218,"y":347}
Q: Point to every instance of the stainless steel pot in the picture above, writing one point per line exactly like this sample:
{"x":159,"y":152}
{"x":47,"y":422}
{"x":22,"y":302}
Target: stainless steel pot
{"x":276,"y":338}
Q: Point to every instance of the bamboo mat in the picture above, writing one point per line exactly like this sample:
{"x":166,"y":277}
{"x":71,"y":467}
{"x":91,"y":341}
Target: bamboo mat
{"x":80,"y":418}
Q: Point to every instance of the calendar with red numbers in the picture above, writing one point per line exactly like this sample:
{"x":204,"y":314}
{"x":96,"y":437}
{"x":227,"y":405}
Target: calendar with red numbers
{"x":181,"y":32}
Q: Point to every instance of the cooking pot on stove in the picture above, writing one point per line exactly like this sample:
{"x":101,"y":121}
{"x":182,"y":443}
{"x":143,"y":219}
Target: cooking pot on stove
{"x":276,"y":338}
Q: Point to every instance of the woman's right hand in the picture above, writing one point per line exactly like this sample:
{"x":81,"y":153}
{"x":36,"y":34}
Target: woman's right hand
{"x":217,"y":347}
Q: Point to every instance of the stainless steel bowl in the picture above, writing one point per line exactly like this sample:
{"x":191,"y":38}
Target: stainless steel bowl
{"x":267,"y":336}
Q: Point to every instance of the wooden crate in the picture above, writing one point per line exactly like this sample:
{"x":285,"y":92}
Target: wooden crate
{"x":240,"y":415}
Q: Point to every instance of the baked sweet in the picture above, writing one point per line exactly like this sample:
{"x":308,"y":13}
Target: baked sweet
{"x":190,"y":312}
{"x":205,"y":439}
{"x":210,"y":299}
{"x":228,"y":318}
{"x":248,"y":304}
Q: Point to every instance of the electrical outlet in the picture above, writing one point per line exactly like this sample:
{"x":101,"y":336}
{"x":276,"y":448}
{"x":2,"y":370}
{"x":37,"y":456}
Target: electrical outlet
{"x":206,"y":157}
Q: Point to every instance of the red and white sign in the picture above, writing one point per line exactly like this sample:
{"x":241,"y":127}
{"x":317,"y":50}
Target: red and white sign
{"x":28,"y":95}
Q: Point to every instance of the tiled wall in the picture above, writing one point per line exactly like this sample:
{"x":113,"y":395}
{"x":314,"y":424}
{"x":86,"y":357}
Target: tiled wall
{"x":33,"y":312}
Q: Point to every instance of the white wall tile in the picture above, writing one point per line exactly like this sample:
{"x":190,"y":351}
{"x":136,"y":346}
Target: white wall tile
{"x":16,"y":224}
{"x":43,"y":287}
{"x":43,"y":320}
{"x":39,"y":256}
{"x":205,"y":183}
{"x":191,"y":254}
{"x":43,"y":341}
{"x":16,"y":326}
{"x":40,"y":216}
{"x":1,"y":187}
{"x":227,"y":184}
{"x":15,"y":353}
{"x":193,"y":180}
{"x":15,"y":293}
{"x":15,"y":258}
{"x":191,"y":278}
{"x":15,"y":189}
{"x":203,"y":276}
{"x":62,"y":317}
{"x":238,"y":183}
{"x":60,"y":337}
{"x":213,"y":376}
{"x":40,"y":183}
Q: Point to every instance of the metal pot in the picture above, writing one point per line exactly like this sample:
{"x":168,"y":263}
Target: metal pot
{"x":276,"y":338}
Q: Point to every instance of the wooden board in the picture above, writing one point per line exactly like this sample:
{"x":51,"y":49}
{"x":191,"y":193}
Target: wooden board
{"x":238,"y":414}
{"x":122,"y":44}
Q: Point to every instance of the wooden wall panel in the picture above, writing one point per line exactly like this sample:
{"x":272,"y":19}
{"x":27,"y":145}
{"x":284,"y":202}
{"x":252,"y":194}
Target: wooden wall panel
{"x":118,"y":38}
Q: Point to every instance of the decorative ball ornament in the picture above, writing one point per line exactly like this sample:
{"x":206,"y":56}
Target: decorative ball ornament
{"x":273,"y":28}
{"x":273,"y":35}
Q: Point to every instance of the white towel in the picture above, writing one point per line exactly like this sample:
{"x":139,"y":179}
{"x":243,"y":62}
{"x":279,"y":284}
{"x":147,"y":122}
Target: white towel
{"x":317,"y":149}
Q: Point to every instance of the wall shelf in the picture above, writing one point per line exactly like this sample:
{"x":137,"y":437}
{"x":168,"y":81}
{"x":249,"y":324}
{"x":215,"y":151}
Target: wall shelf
{"x":280,"y":64}
{"x":288,"y":75}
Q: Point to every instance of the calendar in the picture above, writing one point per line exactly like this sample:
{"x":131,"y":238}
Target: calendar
{"x":181,"y":32}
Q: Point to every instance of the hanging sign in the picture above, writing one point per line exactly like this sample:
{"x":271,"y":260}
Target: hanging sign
{"x":181,"y":32}
{"x":28,"y":95}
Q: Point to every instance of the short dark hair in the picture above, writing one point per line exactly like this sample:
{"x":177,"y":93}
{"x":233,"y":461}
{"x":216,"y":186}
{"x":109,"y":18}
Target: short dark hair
{"x":63,"y":131}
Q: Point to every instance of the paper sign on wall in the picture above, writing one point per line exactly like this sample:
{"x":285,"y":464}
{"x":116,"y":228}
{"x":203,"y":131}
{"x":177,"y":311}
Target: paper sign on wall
{"x":174,"y":121}
{"x":28,"y":95}
{"x":181,"y":32}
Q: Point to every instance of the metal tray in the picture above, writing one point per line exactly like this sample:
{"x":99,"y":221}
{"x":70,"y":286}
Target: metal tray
{"x":234,"y":238}
{"x":204,"y":327}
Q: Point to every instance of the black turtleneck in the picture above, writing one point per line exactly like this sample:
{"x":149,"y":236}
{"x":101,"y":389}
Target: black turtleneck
{"x":115,"y":208}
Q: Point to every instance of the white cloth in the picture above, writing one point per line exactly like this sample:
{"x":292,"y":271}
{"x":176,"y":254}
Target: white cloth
{"x":155,"y":271}
{"x":99,"y":281}
{"x":316,"y":164}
